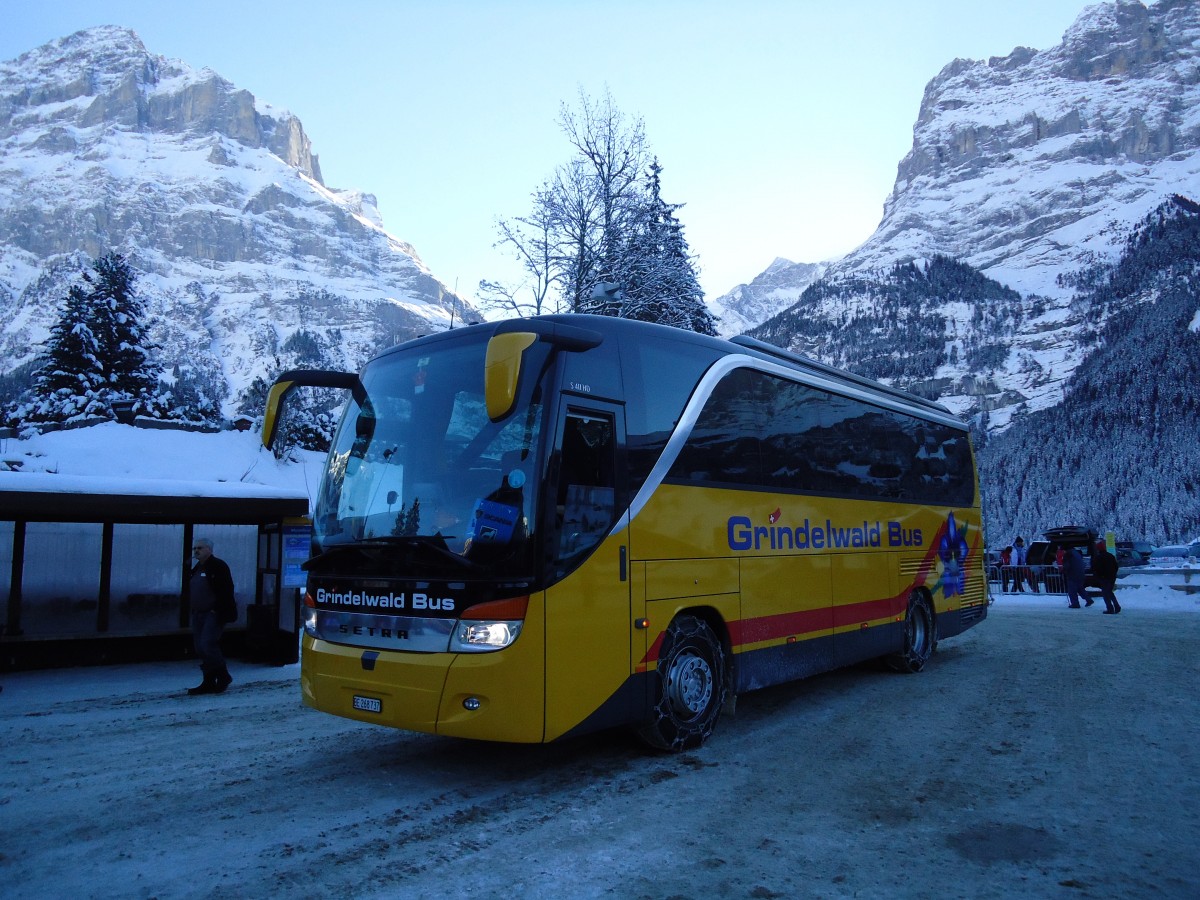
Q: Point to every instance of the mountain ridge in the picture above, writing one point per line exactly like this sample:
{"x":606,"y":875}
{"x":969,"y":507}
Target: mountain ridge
{"x":1031,"y":168}
{"x":217,"y":201}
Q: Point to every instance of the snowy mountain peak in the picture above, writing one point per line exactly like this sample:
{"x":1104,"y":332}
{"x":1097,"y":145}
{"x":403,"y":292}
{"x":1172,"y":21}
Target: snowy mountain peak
{"x":104,"y":76}
{"x":247,"y":262}
{"x":106,"y":51}
{"x":1030,"y":168}
{"x":1118,"y":38}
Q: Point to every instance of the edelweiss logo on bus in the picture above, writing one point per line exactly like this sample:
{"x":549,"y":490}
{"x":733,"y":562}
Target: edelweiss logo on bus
{"x":743,"y":534}
{"x":952,"y":551}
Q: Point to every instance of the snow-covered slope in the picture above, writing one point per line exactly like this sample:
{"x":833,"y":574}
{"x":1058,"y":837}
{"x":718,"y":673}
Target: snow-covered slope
{"x":1031,"y":168}
{"x":1028,"y":166}
{"x":217,"y":201}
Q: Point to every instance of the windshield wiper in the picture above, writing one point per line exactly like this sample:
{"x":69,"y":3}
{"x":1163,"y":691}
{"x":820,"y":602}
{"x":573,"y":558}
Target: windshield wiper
{"x":434,"y":544}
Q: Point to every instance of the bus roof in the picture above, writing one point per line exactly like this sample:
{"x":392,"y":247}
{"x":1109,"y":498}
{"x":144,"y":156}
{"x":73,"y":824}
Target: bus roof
{"x":820,"y":368}
{"x":738,"y":344}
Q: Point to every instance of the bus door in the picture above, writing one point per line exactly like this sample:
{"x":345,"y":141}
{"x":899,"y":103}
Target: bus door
{"x":587,"y":608}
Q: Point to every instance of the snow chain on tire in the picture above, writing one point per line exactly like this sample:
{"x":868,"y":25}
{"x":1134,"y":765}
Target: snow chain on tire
{"x":692,"y":685}
{"x":920,"y":635}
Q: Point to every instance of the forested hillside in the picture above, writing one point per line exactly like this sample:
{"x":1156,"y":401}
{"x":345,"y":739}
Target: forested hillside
{"x":892,"y":325}
{"x":1122,"y":451}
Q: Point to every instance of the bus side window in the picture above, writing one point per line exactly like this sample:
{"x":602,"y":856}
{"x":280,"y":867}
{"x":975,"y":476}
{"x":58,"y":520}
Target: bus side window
{"x":587,"y":483}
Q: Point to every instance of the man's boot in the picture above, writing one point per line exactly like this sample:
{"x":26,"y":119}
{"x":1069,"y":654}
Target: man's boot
{"x":222,"y":679}
{"x":207,"y":686}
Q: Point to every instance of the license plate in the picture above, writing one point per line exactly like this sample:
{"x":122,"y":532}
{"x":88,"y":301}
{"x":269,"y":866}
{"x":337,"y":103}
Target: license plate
{"x":368,"y":704}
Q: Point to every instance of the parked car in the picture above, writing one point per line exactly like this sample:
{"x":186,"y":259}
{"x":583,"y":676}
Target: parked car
{"x":1133,"y":553}
{"x":1176,"y":555}
{"x":1045,"y":552}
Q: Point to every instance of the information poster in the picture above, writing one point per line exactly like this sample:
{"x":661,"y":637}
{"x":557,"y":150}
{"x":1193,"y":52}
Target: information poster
{"x":297,"y":542}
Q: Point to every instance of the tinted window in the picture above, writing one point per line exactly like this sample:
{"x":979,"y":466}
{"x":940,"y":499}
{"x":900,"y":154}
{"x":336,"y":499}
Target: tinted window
{"x":760,"y":431}
{"x":587,"y":501}
{"x":724,"y":444}
{"x":660,"y":376}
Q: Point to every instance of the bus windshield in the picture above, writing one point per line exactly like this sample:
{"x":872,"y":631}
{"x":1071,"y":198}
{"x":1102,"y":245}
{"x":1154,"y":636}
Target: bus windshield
{"x":417,"y":463}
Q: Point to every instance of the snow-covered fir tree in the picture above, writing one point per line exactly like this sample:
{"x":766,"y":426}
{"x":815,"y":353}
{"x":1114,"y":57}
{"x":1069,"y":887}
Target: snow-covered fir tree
{"x":656,"y":274}
{"x":71,"y":383}
{"x":133,"y":374}
{"x":97,"y":354}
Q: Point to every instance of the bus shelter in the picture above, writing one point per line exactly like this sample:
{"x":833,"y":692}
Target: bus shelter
{"x":96,"y":570}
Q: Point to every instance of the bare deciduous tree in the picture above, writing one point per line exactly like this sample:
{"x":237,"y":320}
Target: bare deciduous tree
{"x":532,"y":240}
{"x":601,"y":221}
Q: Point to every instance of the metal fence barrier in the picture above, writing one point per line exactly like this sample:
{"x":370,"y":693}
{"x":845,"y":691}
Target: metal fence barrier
{"x":1035,"y":579}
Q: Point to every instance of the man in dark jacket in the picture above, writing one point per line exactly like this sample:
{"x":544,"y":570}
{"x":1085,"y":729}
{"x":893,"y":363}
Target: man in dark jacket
{"x":1073,"y":574}
{"x":213,"y":607}
{"x":1104,"y":571}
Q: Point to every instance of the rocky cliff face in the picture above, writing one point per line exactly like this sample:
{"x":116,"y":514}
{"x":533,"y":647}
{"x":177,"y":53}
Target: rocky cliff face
{"x":1021,"y":165}
{"x":1032,"y":169}
{"x":215,"y":198}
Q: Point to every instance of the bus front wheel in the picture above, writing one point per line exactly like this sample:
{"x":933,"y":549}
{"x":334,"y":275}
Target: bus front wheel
{"x":692,"y":684}
{"x":919,"y":636}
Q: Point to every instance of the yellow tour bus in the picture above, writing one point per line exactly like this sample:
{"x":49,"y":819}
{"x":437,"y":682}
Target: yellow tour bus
{"x":542,"y":527}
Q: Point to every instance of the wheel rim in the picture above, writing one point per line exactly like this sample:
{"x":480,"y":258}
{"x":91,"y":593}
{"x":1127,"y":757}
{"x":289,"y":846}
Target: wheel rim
{"x":690,"y":684}
{"x":919,"y":624}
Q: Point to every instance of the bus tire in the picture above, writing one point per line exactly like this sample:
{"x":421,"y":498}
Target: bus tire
{"x":691,"y":686}
{"x":919,"y":635}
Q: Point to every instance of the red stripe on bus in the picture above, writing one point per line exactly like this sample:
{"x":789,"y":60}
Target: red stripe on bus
{"x":810,"y":621}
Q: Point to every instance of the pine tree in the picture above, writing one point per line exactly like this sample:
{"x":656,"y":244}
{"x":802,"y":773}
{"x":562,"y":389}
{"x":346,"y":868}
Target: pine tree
{"x":188,"y":398}
{"x":125,"y":348}
{"x":71,"y":384}
{"x":408,"y":520}
{"x":657,"y":274}
{"x":97,"y":353}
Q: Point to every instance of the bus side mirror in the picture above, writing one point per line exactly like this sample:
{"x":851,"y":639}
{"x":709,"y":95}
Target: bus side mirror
{"x":502,"y":371}
{"x":506,"y":354}
{"x":294,"y":378}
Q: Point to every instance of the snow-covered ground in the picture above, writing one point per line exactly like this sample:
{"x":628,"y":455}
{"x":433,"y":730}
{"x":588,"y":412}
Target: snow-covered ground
{"x":1045,"y":753}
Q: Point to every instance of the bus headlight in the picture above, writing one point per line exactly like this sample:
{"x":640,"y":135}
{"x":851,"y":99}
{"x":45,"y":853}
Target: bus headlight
{"x":310,"y":615}
{"x":489,"y":626}
{"x":482,"y":636}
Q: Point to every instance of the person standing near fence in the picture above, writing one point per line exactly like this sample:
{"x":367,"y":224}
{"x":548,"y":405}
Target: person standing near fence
{"x":1074,"y":573}
{"x":1104,"y":570}
{"x":1021,"y":561}
{"x":1005,"y":568}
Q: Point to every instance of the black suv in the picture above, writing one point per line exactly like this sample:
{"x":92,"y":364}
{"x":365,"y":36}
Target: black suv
{"x":1044,"y":554}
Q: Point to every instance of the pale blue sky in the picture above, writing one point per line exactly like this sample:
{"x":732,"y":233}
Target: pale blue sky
{"x":779,"y":124}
